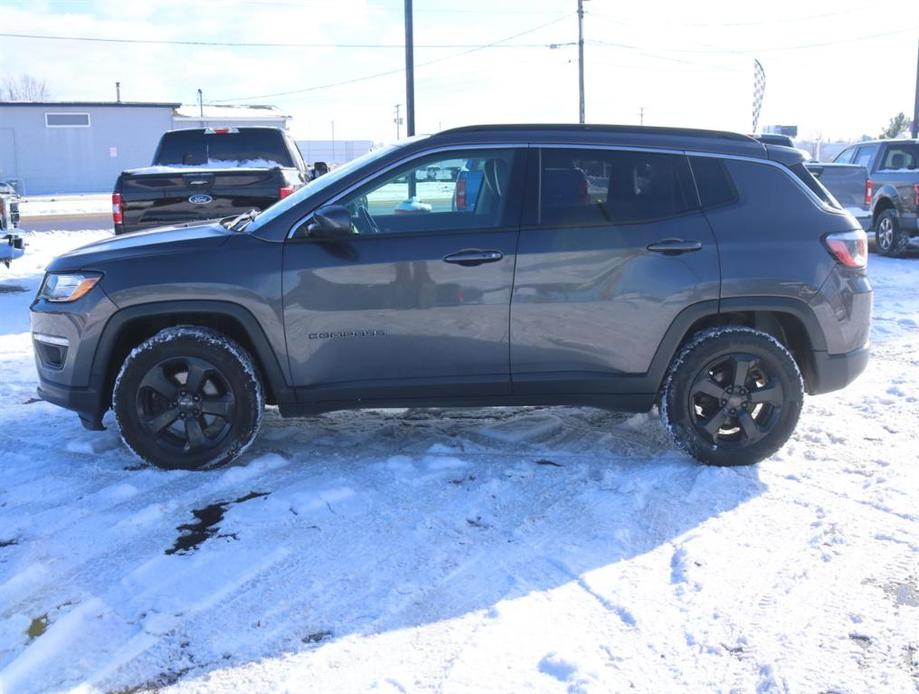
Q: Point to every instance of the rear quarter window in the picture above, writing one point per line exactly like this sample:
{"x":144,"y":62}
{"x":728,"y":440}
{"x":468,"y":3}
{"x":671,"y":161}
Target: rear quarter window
{"x":818,"y":189}
{"x":714,"y":183}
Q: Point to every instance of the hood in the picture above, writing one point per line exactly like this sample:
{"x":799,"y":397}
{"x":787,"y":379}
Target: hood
{"x":160,"y":241}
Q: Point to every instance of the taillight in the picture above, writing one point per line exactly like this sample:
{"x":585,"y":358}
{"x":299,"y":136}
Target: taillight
{"x":849,"y":247}
{"x":869,"y":191}
{"x":117,"y":208}
{"x":461,"y":192}
{"x":916,"y":194}
{"x":284,"y":191}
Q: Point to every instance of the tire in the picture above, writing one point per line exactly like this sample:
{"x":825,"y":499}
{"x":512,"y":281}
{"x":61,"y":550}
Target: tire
{"x":176,"y":424}
{"x":741,"y":384}
{"x":891,"y":241}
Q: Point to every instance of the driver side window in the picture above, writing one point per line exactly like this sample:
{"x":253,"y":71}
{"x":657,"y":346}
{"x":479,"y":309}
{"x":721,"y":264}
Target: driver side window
{"x":461,"y":190}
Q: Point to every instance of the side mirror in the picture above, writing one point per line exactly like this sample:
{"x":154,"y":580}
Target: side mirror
{"x":330,"y":222}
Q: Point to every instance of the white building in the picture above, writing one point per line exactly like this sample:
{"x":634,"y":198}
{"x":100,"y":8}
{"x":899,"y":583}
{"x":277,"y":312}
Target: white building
{"x":82,"y":146}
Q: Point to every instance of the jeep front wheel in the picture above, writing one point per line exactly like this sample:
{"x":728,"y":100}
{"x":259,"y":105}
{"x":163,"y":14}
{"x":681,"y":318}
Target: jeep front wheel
{"x":732,"y":397}
{"x":188,"y":398}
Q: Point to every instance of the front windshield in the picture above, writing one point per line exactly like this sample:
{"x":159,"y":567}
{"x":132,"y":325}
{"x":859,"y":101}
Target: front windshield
{"x":317,"y":185}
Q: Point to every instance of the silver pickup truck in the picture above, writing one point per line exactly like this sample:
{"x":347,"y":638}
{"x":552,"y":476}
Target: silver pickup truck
{"x":878,"y":182}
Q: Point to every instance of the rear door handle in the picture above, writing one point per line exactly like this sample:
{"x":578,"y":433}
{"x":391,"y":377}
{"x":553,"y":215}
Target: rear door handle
{"x":674,"y":246}
{"x":471,"y":257}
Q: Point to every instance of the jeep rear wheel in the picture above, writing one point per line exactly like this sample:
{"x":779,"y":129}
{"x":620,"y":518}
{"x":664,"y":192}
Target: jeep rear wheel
{"x":889,"y":238}
{"x":732,"y":397}
{"x":188,"y":398}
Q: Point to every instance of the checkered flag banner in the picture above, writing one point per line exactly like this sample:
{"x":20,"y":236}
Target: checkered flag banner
{"x":759,"y":89}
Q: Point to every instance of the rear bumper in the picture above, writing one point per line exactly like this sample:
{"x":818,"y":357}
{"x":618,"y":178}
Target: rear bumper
{"x":835,"y":371}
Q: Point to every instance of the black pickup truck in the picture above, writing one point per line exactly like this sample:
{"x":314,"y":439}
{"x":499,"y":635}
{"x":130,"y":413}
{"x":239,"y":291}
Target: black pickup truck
{"x":208,"y":173}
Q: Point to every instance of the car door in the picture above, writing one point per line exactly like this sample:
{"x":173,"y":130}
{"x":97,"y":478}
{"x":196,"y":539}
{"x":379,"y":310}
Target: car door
{"x":613,"y":247}
{"x":415,"y":302}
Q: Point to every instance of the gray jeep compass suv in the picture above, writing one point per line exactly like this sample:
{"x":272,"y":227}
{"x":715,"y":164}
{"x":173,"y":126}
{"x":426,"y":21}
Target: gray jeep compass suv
{"x":607,"y":266}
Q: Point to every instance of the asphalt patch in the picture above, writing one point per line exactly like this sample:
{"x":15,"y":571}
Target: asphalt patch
{"x":193,"y":535}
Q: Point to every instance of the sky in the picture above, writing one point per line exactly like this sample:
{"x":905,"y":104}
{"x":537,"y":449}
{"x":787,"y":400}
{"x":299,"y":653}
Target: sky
{"x":837,"y":69}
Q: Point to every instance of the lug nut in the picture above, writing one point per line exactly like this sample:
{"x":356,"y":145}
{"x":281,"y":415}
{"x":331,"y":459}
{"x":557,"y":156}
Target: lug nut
{"x":197,"y":398}
{"x":733,"y":411}
{"x":723,"y":403}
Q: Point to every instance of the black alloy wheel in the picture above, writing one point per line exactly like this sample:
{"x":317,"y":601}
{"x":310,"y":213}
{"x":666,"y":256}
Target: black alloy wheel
{"x":732,"y":396}
{"x":186,"y":404}
{"x":735,"y":400}
{"x":188,"y":398}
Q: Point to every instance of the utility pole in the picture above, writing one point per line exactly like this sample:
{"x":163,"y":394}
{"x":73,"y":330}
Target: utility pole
{"x":118,"y":92}
{"x":580,"y":60}
{"x":641,"y":115}
{"x":915,"y":128}
{"x":397,"y":120}
{"x":201,"y":106}
{"x":333,"y":143}
{"x":410,"y":71}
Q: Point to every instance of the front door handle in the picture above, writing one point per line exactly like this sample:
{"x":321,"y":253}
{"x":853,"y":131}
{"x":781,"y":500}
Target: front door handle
{"x":471,"y":257}
{"x":674,"y":246}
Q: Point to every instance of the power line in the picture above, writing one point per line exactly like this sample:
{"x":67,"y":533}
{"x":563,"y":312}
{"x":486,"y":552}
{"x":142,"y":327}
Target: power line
{"x":758,"y":22}
{"x":257,"y":44}
{"x":398,"y":70}
{"x":764,"y":49}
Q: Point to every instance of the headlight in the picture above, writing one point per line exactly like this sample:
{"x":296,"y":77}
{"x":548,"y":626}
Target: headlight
{"x":67,"y":287}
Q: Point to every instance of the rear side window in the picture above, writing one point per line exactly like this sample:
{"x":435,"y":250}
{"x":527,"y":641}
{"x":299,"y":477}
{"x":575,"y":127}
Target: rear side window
{"x":845,"y":157}
{"x":713,"y":181}
{"x":253,"y":147}
{"x":865,"y":155}
{"x":901,"y":157}
{"x":807,"y":178}
{"x":602,"y":187}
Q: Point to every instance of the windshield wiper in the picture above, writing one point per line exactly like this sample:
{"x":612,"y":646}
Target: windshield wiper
{"x":240,"y":222}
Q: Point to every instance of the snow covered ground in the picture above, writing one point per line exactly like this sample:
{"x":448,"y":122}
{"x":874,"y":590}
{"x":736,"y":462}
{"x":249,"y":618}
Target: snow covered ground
{"x":540,"y":549}
{"x":56,"y":205}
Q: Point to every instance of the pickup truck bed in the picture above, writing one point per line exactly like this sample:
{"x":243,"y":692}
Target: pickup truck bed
{"x":848,"y":184}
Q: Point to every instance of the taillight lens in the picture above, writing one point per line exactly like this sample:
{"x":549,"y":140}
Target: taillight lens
{"x":916,"y":194}
{"x":461,"y":192}
{"x":869,"y":191}
{"x":117,"y":208}
{"x":284,"y":191}
{"x":850,"y":248}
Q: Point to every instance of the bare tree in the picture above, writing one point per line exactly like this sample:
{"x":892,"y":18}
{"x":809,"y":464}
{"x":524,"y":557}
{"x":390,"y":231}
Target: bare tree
{"x":24,"y":88}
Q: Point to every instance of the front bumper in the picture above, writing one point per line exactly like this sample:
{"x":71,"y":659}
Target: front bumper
{"x":836,"y":371}
{"x":64,"y":338}
{"x":87,"y":402}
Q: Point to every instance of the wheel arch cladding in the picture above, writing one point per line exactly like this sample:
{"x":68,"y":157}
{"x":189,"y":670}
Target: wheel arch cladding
{"x":130,"y":327}
{"x":795,"y":328}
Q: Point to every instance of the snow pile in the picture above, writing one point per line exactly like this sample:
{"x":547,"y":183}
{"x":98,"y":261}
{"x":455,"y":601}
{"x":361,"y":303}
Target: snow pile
{"x":512,"y":549}
{"x":210,"y":164}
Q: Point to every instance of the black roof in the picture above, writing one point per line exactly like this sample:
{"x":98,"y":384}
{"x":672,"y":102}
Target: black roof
{"x":717,"y":141}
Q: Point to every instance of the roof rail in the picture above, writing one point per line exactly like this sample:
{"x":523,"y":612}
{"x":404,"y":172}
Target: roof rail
{"x":604,"y":128}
